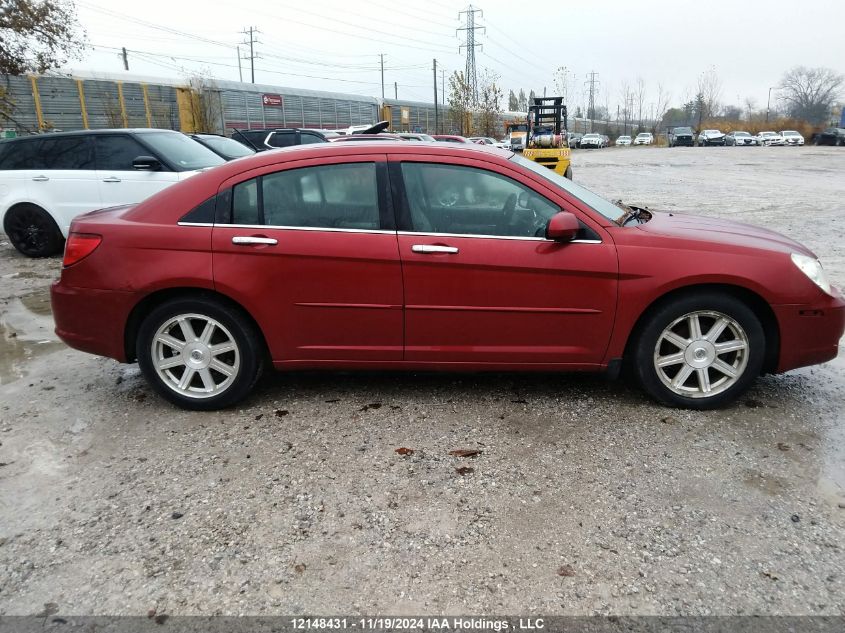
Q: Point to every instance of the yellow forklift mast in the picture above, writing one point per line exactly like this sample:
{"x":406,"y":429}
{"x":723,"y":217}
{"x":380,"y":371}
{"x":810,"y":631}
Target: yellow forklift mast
{"x":546,"y":141}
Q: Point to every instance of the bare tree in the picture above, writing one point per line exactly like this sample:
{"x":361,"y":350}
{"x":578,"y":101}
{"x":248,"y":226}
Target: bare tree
{"x":627,"y":97}
{"x":660,"y":108}
{"x":562,"y":83}
{"x":489,"y":103}
{"x":809,"y":93}
{"x":750,"y":107}
{"x":709,"y":94}
{"x":639,"y":94}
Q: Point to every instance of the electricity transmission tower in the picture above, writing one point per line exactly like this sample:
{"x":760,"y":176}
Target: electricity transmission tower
{"x":592,"y":83}
{"x":250,"y":33}
{"x":470,"y":45}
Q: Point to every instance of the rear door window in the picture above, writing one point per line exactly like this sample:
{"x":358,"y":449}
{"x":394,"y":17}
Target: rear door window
{"x":68,"y":152}
{"x":341,"y":196}
{"x":282,"y":139}
{"x":117,"y":152}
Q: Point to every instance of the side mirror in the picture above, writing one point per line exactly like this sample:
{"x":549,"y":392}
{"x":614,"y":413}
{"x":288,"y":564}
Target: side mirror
{"x":563,"y":227}
{"x":146,"y":163}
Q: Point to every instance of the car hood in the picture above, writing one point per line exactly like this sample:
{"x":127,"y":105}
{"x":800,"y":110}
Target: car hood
{"x":720,"y":233}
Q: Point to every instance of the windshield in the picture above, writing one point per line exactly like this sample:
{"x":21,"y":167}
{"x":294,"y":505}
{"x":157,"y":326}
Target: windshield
{"x":741,"y":134}
{"x":790,"y":133}
{"x":181,"y":152}
{"x":683,"y":130}
{"x":643,"y":135}
{"x":227,"y":147}
{"x":591,"y":136}
{"x":595,"y":202}
{"x":624,"y":138}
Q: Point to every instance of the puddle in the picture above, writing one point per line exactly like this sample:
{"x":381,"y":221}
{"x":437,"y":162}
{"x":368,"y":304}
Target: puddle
{"x":26,"y":332}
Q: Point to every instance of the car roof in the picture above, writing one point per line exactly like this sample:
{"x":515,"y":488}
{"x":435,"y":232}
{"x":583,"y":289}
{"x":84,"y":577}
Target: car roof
{"x":139,"y":130}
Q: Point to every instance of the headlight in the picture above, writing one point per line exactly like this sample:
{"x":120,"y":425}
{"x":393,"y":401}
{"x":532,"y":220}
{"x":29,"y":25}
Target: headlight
{"x":813,"y":269}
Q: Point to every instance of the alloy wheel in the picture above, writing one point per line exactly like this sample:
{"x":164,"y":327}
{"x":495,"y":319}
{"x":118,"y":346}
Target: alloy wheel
{"x":701,"y":354}
{"x":195,"y":355}
{"x":29,"y":230}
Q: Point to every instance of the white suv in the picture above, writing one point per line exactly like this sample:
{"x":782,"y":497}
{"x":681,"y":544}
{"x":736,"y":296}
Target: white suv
{"x":48,"y":179}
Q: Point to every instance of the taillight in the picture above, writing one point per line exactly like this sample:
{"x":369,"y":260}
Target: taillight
{"x":79,"y":246}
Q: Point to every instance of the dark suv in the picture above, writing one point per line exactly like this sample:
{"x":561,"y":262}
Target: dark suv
{"x":681,"y":136}
{"x":271,"y":138}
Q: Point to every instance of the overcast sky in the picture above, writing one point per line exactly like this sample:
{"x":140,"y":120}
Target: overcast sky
{"x":335,"y":44}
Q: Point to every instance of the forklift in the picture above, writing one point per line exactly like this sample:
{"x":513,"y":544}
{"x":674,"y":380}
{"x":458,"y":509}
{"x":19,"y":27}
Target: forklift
{"x":547,"y":139}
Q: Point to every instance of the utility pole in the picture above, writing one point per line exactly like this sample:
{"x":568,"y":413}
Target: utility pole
{"x":126,"y":60}
{"x":768,"y":102}
{"x":443,"y":87}
{"x":382,"y":75}
{"x":251,"y":32}
{"x":396,"y":90}
{"x":436,"y":109}
{"x":240,"y":69}
{"x":470,"y":45}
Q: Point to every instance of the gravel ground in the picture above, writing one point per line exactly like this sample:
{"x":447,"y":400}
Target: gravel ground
{"x":586,"y":498}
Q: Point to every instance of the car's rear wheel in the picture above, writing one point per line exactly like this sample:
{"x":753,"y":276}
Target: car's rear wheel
{"x":200,"y":354}
{"x":32,"y":231}
{"x":700,"y":351}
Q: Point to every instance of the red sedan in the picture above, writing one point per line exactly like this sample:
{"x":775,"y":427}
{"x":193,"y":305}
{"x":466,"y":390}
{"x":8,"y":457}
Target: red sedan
{"x":429,"y":256}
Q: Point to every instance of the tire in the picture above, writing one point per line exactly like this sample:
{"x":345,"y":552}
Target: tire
{"x":33,"y":231}
{"x":219,"y":379}
{"x":690,"y":368}
{"x":568,"y":172}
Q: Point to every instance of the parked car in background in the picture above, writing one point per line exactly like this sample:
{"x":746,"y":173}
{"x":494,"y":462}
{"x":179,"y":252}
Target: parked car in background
{"x":368,"y":137}
{"x":415,"y":136}
{"x":738,"y":138}
{"x":302,"y":239}
{"x":594,"y":141}
{"x":485,"y":140}
{"x":830,"y":136}
{"x":623,"y":140}
{"x":769,"y":138}
{"x":223,"y":146}
{"x":575,"y":139}
{"x":47,"y":180}
{"x":272,"y":138}
{"x":710,"y":137}
{"x":505,"y":143}
{"x":644,"y":138}
{"x":791,"y":137}
{"x":451,"y":138}
{"x":681,"y":136}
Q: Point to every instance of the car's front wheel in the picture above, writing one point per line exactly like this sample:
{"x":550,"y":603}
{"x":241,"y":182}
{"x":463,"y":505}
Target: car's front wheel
{"x":32,"y":231}
{"x":199,"y":353}
{"x":700,"y":351}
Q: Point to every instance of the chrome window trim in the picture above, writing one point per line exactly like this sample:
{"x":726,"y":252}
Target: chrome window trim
{"x":265,"y":227}
{"x":495,"y":237}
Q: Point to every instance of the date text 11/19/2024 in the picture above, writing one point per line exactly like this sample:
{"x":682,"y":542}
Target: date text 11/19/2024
{"x":421,"y":623}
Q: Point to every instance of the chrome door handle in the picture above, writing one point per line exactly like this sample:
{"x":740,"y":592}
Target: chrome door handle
{"x":243,"y":240}
{"x":111,"y":179}
{"x":41,"y":179}
{"x":433,"y":248}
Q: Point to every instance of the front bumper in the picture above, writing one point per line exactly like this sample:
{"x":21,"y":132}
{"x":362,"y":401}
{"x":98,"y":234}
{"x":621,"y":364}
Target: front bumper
{"x":810,"y":334}
{"x":92,"y":321}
